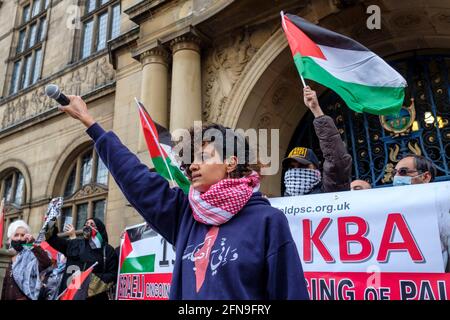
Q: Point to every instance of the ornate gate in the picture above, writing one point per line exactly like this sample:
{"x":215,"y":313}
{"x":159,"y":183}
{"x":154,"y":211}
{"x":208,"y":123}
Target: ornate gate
{"x":377,"y":143}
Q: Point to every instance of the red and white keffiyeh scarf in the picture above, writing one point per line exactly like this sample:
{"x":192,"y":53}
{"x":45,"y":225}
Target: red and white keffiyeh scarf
{"x":223,"y":200}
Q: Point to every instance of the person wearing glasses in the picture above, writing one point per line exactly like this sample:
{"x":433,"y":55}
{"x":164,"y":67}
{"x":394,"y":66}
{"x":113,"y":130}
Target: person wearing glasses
{"x":414,"y":169}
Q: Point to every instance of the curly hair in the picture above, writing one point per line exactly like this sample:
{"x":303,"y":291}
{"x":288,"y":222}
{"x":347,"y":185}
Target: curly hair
{"x":233,"y":144}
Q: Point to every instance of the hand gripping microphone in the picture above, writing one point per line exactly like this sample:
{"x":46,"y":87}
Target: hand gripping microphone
{"x":52,"y":90}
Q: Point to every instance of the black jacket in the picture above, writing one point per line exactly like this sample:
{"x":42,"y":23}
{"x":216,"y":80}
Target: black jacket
{"x":80,"y":254}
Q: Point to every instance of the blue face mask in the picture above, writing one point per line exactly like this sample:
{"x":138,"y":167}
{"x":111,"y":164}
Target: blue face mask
{"x":401,"y":181}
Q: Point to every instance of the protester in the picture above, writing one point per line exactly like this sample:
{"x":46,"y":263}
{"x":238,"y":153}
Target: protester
{"x":360,"y":185}
{"x":415,"y":169}
{"x":52,"y":277}
{"x":22,"y":281}
{"x":302,"y":174}
{"x":83,"y":253}
{"x":230,"y":243}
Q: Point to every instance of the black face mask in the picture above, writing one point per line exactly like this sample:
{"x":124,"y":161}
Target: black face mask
{"x":17,"y":245}
{"x":87,"y":231}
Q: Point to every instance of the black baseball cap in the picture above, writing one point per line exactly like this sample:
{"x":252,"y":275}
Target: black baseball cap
{"x":301,"y":155}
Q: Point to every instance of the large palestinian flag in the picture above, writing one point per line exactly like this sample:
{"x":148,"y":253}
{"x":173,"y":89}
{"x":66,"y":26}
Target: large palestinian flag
{"x":361,"y":78}
{"x":136,"y":256}
{"x":159,"y":143}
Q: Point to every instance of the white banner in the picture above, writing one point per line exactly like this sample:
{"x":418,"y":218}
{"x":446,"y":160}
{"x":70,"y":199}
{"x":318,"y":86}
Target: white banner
{"x":370,"y":244}
{"x":390,"y":229}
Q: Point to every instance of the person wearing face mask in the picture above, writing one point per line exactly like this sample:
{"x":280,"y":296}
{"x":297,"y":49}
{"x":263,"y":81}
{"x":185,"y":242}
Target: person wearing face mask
{"x":302,"y":174}
{"x":81,"y":253}
{"x":415,"y":169}
{"x":22,"y":275}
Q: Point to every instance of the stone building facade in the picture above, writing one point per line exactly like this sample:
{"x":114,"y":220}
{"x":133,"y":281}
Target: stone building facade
{"x":224,"y":61}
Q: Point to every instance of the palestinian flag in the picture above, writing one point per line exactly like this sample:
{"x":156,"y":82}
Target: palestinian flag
{"x":45,"y":246}
{"x":159,"y":143}
{"x":135,"y":254}
{"x":361,"y":78}
{"x":96,"y":240}
{"x":79,"y":285}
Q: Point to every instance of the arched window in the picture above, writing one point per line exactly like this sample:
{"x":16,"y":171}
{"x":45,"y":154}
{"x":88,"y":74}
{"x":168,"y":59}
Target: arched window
{"x":12,"y":189}
{"x":85,"y":190}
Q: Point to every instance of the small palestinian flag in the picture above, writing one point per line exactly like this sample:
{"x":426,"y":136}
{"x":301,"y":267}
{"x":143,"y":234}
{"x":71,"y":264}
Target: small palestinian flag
{"x":96,"y":240}
{"x":361,"y":78}
{"x":78,"y":286}
{"x":135,"y":254}
{"x":46,"y":247}
{"x":159,"y":143}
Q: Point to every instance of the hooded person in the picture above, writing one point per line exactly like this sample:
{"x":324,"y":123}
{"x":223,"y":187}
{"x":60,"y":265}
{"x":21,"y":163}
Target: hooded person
{"x":302,"y":172}
{"x":82,"y":253}
{"x":22,"y":277}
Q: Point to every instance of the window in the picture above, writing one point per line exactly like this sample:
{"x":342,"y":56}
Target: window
{"x":101,"y":22}
{"x":27,"y":61}
{"x":12,"y":188}
{"x":85,"y":190}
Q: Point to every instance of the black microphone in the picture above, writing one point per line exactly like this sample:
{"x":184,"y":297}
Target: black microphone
{"x":52,"y":90}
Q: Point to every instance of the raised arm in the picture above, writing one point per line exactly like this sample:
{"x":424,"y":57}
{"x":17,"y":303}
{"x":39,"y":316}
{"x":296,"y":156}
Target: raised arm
{"x":149,"y":193}
{"x":337,"y":167}
{"x":57,"y":243}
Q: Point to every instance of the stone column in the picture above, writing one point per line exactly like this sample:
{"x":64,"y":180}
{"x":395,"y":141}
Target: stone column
{"x":186,"y":98}
{"x":154,"y":94}
{"x":5,"y":259}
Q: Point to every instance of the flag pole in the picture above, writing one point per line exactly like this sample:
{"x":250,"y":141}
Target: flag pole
{"x":119,"y":267}
{"x":2,"y":216}
{"x":156,"y":140}
{"x":283,"y":22}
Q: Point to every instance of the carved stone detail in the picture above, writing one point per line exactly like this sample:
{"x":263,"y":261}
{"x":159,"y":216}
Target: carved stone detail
{"x":265,"y":121}
{"x":155,"y":55}
{"x":224,"y":66}
{"x":279,"y":95}
{"x":87,"y":191}
{"x":185,"y":42}
{"x":407,"y":21}
{"x":444,"y":18}
{"x":79,"y":81}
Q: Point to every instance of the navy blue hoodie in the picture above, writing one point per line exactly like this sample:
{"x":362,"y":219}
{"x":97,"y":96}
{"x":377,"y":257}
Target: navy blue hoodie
{"x":253,"y":257}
